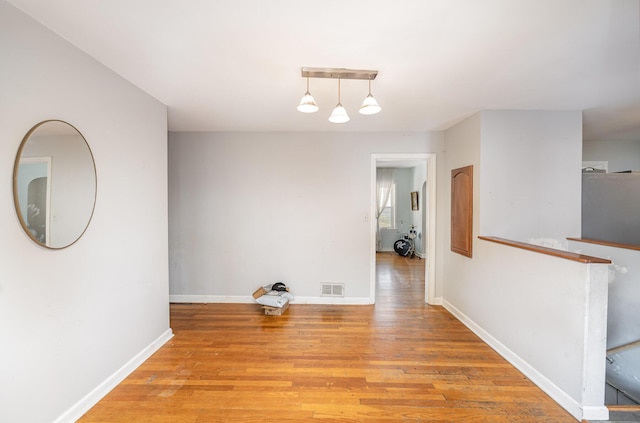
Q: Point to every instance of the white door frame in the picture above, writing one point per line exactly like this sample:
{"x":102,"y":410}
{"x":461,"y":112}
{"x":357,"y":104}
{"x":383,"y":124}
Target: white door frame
{"x":430,"y":270}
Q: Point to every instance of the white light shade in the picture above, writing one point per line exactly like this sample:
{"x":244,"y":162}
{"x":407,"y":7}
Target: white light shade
{"x":307,"y":104}
{"x":370,"y":106}
{"x":339,"y":115}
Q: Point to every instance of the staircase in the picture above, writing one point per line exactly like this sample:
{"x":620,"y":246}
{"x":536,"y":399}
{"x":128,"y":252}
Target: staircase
{"x":615,"y":416}
{"x":622,"y":392}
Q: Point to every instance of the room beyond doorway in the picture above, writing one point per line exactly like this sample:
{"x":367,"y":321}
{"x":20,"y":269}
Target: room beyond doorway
{"x":417,"y":213}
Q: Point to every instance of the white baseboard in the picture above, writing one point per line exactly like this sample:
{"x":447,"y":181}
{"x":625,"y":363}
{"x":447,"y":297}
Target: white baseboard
{"x":437,"y":301}
{"x":333,"y":300}
{"x":211,"y":299}
{"x":92,"y":398}
{"x":550,"y":388}
{"x":220,"y":299}
{"x":595,"y":413}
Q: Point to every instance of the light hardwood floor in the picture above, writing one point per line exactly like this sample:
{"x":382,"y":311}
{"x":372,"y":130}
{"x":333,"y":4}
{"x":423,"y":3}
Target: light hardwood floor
{"x":397,"y":361}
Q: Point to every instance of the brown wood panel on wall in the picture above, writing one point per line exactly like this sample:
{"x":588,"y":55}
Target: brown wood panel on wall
{"x":462,"y":210}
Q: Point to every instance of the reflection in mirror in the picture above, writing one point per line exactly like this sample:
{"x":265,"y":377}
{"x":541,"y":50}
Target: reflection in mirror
{"x":54,"y":184}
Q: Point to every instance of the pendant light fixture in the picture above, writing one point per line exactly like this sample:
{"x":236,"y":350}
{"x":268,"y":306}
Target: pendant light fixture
{"x":307,"y":104}
{"x":339,"y":114}
{"x":369,"y":105}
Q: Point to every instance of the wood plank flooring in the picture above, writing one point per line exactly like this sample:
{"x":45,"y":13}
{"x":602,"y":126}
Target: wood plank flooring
{"x":397,"y":361}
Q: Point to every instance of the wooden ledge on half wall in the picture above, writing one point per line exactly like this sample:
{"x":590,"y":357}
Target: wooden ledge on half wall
{"x":581,"y":258}
{"x":607,"y":243}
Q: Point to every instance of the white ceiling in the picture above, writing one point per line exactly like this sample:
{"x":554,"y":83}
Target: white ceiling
{"x":235,"y":65}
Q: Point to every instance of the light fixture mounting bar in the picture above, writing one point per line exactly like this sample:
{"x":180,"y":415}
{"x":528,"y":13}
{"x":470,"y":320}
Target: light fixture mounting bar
{"x":339,"y":73}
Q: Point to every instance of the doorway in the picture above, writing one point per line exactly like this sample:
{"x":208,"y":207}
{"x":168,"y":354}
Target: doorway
{"x":426,"y":190}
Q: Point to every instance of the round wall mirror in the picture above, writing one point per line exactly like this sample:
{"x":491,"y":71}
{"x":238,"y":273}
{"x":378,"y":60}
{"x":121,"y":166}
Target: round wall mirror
{"x":54,"y":184}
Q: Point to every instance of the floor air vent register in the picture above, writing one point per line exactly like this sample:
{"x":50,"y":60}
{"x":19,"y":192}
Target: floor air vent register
{"x":332,"y":290}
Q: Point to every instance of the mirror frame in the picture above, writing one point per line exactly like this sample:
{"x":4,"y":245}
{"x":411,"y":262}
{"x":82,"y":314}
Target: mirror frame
{"x":16,"y":168}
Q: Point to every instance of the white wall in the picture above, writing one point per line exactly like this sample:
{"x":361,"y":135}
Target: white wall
{"x":463,"y":148}
{"x":70,"y":319}
{"x":531,"y":176}
{"x":517,"y":300}
{"x":297,"y":206}
{"x":621,"y":154}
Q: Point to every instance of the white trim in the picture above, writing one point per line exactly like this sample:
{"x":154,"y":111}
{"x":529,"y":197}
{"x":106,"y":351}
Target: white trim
{"x":558,"y":395}
{"x":332,"y":300}
{"x":430,"y":274}
{"x":430,"y":267}
{"x":81,"y":407}
{"x":373,"y":233}
{"x":595,"y":412}
{"x":224,"y":299}
{"x":595,"y":341}
{"x":212,"y":299}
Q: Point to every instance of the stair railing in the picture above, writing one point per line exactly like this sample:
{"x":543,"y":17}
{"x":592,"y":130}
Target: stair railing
{"x":625,"y":347}
{"x":616,"y":350}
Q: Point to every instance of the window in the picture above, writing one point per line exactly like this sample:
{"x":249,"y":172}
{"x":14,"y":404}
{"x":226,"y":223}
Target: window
{"x":387,"y":218}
